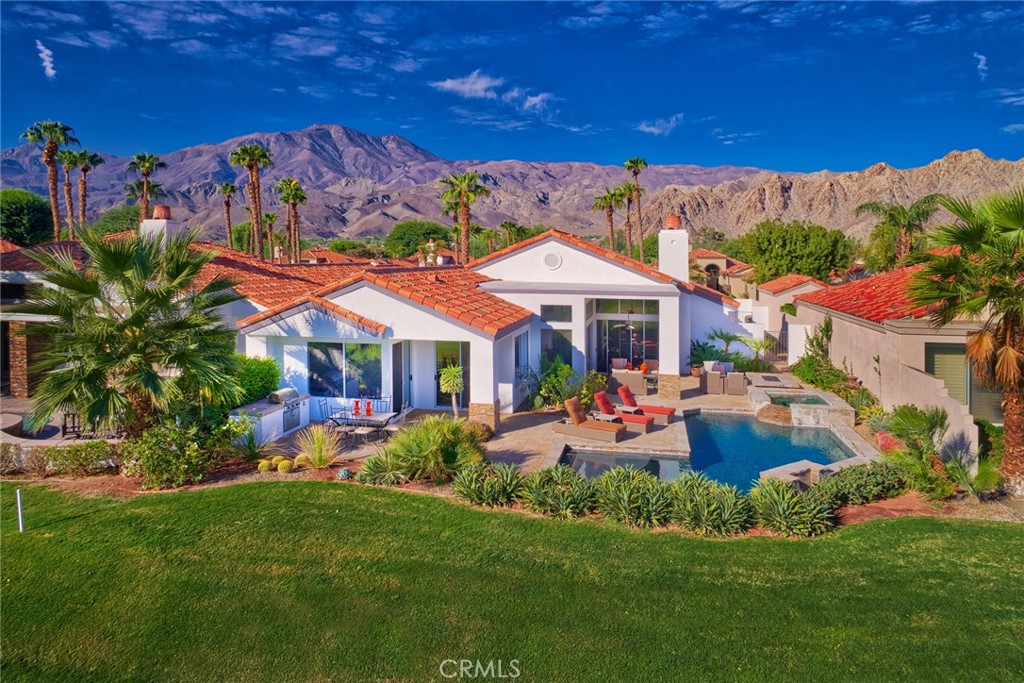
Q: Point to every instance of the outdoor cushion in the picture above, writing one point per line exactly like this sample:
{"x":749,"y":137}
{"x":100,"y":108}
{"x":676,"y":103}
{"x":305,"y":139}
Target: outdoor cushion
{"x":602,"y":426}
{"x":630,"y":400}
{"x":575,"y":410}
{"x":601,"y":398}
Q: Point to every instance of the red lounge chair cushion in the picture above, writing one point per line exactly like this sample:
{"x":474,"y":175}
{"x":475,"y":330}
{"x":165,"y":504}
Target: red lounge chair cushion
{"x":604,"y":426}
{"x":575,"y":410}
{"x":601,"y":398}
{"x":657,"y":410}
{"x":629,"y":400}
{"x":637,"y":419}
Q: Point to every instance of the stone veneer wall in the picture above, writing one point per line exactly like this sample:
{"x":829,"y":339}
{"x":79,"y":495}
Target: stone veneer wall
{"x":488,"y":413}
{"x":670,"y":387}
{"x":21,"y":354}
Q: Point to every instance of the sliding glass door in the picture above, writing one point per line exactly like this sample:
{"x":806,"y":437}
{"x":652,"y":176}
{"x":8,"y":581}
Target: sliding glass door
{"x":448,"y":354}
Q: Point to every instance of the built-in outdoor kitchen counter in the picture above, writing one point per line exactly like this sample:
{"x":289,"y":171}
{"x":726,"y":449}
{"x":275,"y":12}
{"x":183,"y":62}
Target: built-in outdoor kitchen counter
{"x":281,"y":413}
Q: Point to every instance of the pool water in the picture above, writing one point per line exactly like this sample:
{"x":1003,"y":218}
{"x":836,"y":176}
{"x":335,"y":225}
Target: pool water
{"x":732,"y":449}
{"x":803,"y":400}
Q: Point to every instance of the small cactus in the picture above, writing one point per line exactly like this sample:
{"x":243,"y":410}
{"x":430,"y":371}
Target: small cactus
{"x":277,"y":460}
{"x":265,"y":466}
{"x":302,"y":461}
{"x":285,"y":466}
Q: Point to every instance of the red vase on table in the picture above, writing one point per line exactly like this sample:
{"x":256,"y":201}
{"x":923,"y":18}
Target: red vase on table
{"x":355,"y":407}
{"x":644,"y":368}
{"x":369,"y":408}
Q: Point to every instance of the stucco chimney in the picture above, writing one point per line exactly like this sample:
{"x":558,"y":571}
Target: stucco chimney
{"x":674,"y":249}
{"x":161,"y":224}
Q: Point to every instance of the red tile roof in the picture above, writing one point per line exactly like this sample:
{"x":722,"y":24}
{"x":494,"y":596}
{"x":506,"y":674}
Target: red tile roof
{"x":17,"y":260}
{"x":309,"y":301}
{"x":606,"y":254}
{"x":877,"y":298}
{"x":701,"y":252}
{"x":781,"y":284}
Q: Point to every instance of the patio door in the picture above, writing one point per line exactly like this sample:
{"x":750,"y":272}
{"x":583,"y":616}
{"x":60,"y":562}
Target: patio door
{"x":446,"y":355}
{"x":399,"y":377}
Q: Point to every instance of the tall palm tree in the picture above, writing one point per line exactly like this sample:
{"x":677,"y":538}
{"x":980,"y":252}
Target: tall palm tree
{"x":87,"y":161}
{"x":906,"y":221}
{"x":253,"y":157}
{"x":136,"y":188}
{"x":52,"y":135}
{"x":228,"y":189}
{"x":626,"y":190}
{"x":635,"y":166}
{"x":980,"y":276}
{"x":462,"y":190}
{"x":145,"y":165}
{"x":292,"y":195}
{"x":269,"y":219}
{"x":608,"y":202}
{"x":68,"y":160}
{"x":513,"y":232}
{"x":125,"y":333}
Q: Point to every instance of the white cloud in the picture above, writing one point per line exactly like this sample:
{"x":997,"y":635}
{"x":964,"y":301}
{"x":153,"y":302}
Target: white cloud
{"x":101,"y":39}
{"x":46,"y":57}
{"x":1007,"y":96}
{"x":319,"y":92}
{"x":192,"y":47}
{"x":661,"y":126}
{"x":1013,"y":128}
{"x":407,"y":65}
{"x":476,"y":85}
{"x":355,"y":62}
{"x":295,"y":45}
{"x":48,"y":14}
{"x":536,"y":103}
{"x":982,"y":66}
{"x":487,"y":120}
{"x":733,"y":138}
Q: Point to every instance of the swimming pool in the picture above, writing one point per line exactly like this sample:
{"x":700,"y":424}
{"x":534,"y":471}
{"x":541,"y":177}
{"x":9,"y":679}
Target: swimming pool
{"x":783,"y":400}
{"x":732,"y":449}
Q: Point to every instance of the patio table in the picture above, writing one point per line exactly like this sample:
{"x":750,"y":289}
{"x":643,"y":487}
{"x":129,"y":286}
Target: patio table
{"x":375,"y":420}
{"x":602,"y":417}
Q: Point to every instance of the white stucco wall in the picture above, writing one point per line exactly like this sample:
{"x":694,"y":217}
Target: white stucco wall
{"x":706,"y":315}
{"x":577,"y":267}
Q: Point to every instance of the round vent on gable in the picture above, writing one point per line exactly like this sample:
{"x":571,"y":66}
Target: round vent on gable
{"x":552,"y":260}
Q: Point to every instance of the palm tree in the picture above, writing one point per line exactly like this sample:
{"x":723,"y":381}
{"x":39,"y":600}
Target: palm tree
{"x":145,"y":165}
{"x":292,"y":195}
{"x":461,"y":191}
{"x":725,"y":337}
{"x":228,"y":189}
{"x":135,"y":189}
{"x":608,"y":202}
{"x":52,"y":135}
{"x":979,"y":275}
{"x":626,"y":190}
{"x":253,"y":157}
{"x":87,"y":161}
{"x":759,"y":347}
{"x":68,"y":160}
{"x":513,"y":232}
{"x":128,"y":331}
{"x":269,"y":219}
{"x":906,"y":222}
{"x":635,"y":166}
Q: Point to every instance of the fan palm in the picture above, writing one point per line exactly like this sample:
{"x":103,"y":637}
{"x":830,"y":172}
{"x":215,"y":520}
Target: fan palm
{"x":635,"y":166}
{"x":69,"y":160}
{"x":461,"y":190}
{"x":907,"y":222}
{"x":292,"y":195}
{"x":608,"y":202}
{"x":979,"y":276}
{"x":269,"y":219}
{"x":87,"y":161}
{"x":626,"y":190}
{"x":228,"y":189}
{"x":513,"y":232}
{"x":253,"y":157}
{"x":726,"y":338}
{"x":129,"y":330}
{"x":145,"y":165}
{"x":52,"y":135}
{"x":135,"y":189}
{"x":758,"y":346}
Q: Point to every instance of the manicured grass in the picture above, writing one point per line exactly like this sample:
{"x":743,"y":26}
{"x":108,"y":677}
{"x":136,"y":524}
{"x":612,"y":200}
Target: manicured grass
{"x":326,"y":582}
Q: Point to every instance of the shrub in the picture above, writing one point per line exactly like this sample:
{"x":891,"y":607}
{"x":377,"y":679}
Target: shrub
{"x":252,"y":447}
{"x":257,"y":377}
{"x":634,"y":497}
{"x":10,"y":458}
{"x":35,"y":462}
{"x":559,"y":492}
{"x":382,"y":469}
{"x":874,"y":416}
{"x":780,"y":508}
{"x":434,"y":448}
{"x":264,"y":466}
{"x":922,"y":430}
{"x":985,"y":481}
{"x":991,"y":442}
{"x":481,"y":431}
{"x":708,"y":508}
{"x":285,"y":466}
{"x":559,"y":382}
{"x":302,"y":461}
{"x":859,"y":398}
{"x":319,"y":446}
{"x":79,"y":459}
{"x":491,"y":485}
{"x":860,"y":484}
{"x":169,"y":456}
{"x":818,"y":372}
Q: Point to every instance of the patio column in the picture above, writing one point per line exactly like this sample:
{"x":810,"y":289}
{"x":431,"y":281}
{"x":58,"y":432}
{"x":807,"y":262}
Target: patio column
{"x":674,"y":335}
{"x":484,"y":404}
{"x":21,"y":354}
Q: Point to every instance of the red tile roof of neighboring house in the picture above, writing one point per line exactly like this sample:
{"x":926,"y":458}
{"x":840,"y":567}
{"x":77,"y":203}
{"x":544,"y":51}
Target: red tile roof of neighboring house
{"x":732,"y":266}
{"x":701,"y":252}
{"x":17,"y":260}
{"x":786,"y":282}
{"x":314,"y":302}
{"x":7,"y":247}
{"x":877,"y":298}
{"x":607,"y":254}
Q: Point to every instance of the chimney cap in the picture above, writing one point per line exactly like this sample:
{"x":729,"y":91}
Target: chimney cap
{"x":673,"y":221}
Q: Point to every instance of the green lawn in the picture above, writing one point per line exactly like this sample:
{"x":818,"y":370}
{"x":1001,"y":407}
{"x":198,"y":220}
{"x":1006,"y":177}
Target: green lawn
{"x":324,"y":582}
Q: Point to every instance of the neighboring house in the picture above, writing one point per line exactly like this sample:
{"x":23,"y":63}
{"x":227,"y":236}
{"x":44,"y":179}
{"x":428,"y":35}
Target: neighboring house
{"x":888,"y":343}
{"x":723,"y":273}
{"x":775,"y":294}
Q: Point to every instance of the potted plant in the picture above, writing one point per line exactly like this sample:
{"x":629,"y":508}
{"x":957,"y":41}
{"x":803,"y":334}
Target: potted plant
{"x":703,"y":354}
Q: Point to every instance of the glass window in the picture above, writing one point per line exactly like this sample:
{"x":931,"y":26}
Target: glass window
{"x":556,"y":314}
{"x":557,"y":343}
{"x":522,"y":344}
{"x":326,"y":369}
{"x":631,"y":306}
{"x":651,"y":307}
{"x":607,"y":305}
{"x":344,"y":370}
{"x":362,"y":370}
{"x":948,"y":362}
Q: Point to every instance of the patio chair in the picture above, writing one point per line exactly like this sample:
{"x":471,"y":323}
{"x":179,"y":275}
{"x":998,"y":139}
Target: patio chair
{"x":713,"y":382}
{"x":662,"y":414}
{"x":577,"y":424}
{"x":325,"y":408}
{"x":736,"y":384}
{"x":396,"y":423}
{"x":639,"y":424}
{"x":70,"y":425}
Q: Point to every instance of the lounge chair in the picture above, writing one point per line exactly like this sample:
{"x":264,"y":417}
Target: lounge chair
{"x":640,"y":424}
{"x":662,"y":415}
{"x":578,"y":425}
{"x":713,"y":382}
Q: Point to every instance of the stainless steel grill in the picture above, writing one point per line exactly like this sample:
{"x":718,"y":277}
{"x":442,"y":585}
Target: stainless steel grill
{"x":285,"y":395}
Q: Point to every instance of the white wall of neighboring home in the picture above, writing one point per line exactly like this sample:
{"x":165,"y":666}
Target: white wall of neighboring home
{"x":707,"y":315}
{"x":572,"y":265}
{"x":773,"y":302}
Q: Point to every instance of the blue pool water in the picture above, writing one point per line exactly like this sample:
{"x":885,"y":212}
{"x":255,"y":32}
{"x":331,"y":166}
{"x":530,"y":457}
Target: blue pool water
{"x":732,"y":449}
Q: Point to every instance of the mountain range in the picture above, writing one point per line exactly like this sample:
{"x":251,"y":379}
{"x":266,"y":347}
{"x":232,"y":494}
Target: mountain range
{"x":361,"y":184}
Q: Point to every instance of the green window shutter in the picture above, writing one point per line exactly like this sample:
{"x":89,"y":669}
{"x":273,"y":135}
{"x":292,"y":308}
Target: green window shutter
{"x":948,"y":363}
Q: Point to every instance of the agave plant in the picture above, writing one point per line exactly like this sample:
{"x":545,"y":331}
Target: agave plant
{"x":708,"y":508}
{"x":252,"y":447}
{"x":634,"y":497}
{"x":381,"y":469}
{"x":781,"y":508}
{"x":320,"y":445}
{"x":491,"y":485}
{"x":558,"y":491}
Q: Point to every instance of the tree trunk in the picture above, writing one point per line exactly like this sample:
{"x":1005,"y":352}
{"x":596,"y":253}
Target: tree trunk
{"x":69,"y":204}
{"x":902,"y":245}
{"x":144,"y":199}
{"x":141,"y":416}
{"x":455,"y":404}
{"x":1012,"y":467}
{"x":639,"y":216}
{"x":252,"y":213}
{"x":227,"y":221}
{"x":297,"y":237}
{"x":629,"y":226}
{"x":82,"y":193}
{"x":464,"y":222}
{"x":259,"y":213}
{"x":609,"y":213}
{"x":50,"y":161}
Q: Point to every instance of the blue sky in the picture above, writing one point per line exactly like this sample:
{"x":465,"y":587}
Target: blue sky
{"x":778,"y":85}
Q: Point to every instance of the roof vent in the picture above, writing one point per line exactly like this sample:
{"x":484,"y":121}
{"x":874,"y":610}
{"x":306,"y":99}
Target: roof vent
{"x":552,"y":260}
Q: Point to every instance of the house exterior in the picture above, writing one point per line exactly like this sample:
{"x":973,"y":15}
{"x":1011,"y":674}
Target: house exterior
{"x":723,"y":273}
{"x":888,"y":343}
{"x":775,"y":294}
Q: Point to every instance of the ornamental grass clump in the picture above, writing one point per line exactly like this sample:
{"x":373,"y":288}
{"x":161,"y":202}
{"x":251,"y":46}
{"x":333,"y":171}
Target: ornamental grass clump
{"x":434,"y":449}
{"x":708,"y":508}
{"x":319,"y":447}
{"x":781,"y":508}
{"x":491,"y":485}
{"x":633,"y":497}
{"x":558,"y":492}
{"x":382,"y":469}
